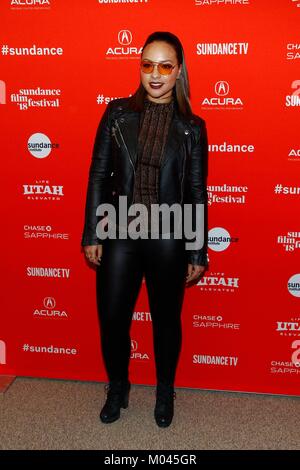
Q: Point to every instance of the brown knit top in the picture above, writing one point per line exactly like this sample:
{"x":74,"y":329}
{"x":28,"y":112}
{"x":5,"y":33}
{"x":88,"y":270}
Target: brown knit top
{"x":155,"y":121}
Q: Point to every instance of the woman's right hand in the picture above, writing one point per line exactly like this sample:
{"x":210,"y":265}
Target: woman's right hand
{"x":93,"y":253}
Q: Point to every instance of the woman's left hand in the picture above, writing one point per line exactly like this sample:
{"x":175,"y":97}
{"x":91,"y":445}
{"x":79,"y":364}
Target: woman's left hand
{"x":194,"y":272}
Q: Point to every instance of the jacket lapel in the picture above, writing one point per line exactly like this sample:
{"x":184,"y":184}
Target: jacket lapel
{"x":129,"y":125}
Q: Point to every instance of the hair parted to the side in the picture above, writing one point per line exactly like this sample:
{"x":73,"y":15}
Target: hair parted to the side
{"x":181,"y":90}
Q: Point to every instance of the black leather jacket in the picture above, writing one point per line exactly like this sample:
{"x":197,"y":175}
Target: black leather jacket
{"x":183,"y":169}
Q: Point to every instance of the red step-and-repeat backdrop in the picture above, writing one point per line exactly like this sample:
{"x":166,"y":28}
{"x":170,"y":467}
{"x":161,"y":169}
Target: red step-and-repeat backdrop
{"x":62,"y":61}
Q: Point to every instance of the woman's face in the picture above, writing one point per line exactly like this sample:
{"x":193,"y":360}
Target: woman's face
{"x":160,"y":51}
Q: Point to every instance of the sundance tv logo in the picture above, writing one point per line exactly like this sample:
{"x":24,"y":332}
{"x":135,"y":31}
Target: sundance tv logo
{"x":222,"y":48}
{"x":125,"y":49}
{"x":141,"y":316}
{"x":51,"y":272}
{"x":205,"y":359}
{"x":222,"y":99}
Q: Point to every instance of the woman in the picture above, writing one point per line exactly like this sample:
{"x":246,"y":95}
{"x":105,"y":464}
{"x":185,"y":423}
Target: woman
{"x":151,"y":149}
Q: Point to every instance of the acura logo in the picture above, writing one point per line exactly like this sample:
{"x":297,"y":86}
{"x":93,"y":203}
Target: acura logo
{"x":49,"y":302}
{"x":134,"y":345}
{"x":124,"y":37}
{"x":222,"y":88}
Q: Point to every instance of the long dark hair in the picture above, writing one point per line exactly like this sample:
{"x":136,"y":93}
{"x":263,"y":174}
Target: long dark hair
{"x":181,"y":90}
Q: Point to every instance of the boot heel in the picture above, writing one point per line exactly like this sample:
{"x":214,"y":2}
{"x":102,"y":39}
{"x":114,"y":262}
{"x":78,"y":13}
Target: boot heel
{"x":125,"y":401}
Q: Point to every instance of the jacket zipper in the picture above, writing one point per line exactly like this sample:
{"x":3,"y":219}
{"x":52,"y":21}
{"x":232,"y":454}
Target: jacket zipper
{"x":116,"y":122}
{"x":183,"y":172}
{"x":113,"y":130}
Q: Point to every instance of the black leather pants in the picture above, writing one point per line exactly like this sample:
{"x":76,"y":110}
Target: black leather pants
{"x":118,"y":281}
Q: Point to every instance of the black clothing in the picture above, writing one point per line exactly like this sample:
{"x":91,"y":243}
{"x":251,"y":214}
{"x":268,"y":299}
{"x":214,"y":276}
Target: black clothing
{"x":182,"y":175}
{"x":118,"y":281}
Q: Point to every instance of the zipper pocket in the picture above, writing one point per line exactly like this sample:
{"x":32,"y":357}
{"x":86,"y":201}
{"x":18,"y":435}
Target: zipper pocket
{"x":113,"y":131}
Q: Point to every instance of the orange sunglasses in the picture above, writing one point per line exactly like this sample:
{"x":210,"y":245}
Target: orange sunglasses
{"x":147,"y":66}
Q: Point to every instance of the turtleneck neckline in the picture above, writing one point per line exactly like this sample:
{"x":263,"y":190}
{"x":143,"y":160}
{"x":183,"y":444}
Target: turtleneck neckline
{"x":153,"y":103}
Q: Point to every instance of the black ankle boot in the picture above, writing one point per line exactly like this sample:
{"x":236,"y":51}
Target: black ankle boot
{"x":117,"y":397}
{"x":164,"y":406}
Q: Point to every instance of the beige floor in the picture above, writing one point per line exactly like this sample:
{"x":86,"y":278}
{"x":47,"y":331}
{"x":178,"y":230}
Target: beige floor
{"x":57,"y":414}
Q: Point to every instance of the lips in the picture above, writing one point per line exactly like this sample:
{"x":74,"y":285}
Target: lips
{"x":155,"y":85}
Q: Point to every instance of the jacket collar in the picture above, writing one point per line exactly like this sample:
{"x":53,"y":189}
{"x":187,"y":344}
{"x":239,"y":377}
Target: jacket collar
{"x":179,"y":131}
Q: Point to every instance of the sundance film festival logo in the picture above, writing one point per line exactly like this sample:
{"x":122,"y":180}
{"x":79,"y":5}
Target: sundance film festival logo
{"x":49,"y":309}
{"x":226,"y":194}
{"x":30,"y":4}
{"x":222,"y":48}
{"x":289,"y":328}
{"x":290,"y":241}
{"x":218,"y":282}
{"x":40,"y":146}
{"x":2,"y":352}
{"x":125,"y":48}
{"x":41,"y":190}
{"x":43,"y":232}
{"x":293,"y":99}
{"x":31,"y":98}
{"x":222,"y":100}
